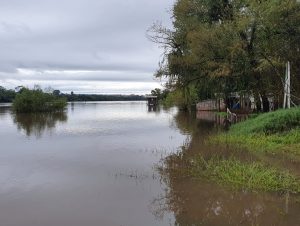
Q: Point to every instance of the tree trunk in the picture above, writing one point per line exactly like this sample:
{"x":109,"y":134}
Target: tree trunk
{"x":266,"y":103}
{"x":257,"y":102}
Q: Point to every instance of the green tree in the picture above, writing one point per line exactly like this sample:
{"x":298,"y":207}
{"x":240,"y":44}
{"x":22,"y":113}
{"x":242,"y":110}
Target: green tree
{"x":6,"y":95}
{"x":37,"y":101}
{"x":229,"y":46}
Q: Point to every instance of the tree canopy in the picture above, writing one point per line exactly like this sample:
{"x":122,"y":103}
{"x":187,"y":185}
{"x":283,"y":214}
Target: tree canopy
{"x":225,"y":46}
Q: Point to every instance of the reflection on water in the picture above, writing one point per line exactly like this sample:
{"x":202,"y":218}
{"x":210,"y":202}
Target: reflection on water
{"x":96,"y":165}
{"x":38,"y":123}
{"x":201,"y":202}
{"x":4,"y":109}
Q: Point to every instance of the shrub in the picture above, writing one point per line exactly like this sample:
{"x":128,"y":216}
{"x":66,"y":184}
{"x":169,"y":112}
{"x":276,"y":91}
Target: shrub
{"x":37,"y":101}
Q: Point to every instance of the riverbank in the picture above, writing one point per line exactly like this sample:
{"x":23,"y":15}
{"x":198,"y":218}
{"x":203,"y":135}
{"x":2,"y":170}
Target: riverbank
{"x":274,"y":132}
{"x":270,"y":133}
{"x":242,"y":161}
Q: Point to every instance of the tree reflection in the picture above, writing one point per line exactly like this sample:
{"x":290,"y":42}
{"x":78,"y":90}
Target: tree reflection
{"x":35,"y":124}
{"x":4,"y":109}
{"x":202,"y":202}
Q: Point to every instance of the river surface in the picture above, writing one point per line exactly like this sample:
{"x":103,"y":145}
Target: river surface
{"x":98,"y":164}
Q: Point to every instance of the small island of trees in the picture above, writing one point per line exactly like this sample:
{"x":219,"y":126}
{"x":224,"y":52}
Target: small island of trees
{"x":39,"y":100}
{"x":36,"y":100}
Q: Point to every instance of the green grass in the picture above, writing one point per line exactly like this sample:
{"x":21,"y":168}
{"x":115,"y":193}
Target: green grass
{"x":269,"y":123}
{"x":288,"y":143}
{"x":273,"y":132}
{"x":251,"y":176}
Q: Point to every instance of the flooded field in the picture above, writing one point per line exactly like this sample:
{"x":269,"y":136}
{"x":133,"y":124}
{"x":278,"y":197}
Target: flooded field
{"x":99,"y":164}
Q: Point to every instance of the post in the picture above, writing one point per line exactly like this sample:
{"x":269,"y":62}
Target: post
{"x":284,"y":91}
{"x":287,"y":87}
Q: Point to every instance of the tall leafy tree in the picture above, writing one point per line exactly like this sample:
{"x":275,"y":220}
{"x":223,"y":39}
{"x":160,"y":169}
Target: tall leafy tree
{"x":227,"y":46}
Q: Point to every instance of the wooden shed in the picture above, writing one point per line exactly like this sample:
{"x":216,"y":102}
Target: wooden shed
{"x":152,"y":100}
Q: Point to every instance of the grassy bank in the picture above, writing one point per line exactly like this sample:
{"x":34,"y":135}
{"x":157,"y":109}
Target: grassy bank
{"x":272,"y":132}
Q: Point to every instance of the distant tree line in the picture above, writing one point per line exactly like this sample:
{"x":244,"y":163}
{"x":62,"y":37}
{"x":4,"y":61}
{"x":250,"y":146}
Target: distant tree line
{"x":102,"y":97}
{"x":8,"y":95}
{"x":225,"y":46}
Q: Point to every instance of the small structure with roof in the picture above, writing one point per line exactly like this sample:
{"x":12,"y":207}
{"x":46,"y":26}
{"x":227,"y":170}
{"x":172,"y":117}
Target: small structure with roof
{"x":152,"y":101}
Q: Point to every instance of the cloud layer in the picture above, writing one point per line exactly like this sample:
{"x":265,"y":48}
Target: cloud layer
{"x":81,"y":45}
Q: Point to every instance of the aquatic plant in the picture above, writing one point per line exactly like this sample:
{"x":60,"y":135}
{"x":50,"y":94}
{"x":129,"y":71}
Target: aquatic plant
{"x":250,"y":176}
{"x":233,"y":172}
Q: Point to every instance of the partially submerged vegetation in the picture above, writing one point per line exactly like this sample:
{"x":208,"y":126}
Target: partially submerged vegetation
{"x":250,"y":176}
{"x":37,"y":101}
{"x":242,"y":160}
{"x":273,"y":132}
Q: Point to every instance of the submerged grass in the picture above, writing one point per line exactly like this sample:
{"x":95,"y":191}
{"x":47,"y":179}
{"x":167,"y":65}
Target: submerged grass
{"x":251,"y":176}
{"x":288,"y":142}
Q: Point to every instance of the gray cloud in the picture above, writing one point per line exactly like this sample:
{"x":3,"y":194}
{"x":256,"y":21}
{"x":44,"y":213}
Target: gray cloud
{"x":55,"y":42}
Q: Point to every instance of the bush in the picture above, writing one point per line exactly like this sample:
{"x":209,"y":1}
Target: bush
{"x":37,"y":101}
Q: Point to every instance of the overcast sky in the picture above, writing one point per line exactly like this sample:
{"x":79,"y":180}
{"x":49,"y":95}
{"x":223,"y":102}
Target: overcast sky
{"x":85,"y":46}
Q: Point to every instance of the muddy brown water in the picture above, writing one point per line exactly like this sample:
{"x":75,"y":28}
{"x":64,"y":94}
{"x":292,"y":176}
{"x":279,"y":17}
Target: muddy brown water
{"x":96,"y":164}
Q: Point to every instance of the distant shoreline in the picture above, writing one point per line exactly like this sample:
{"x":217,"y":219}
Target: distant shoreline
{"x":82,"y":101}
{"x":93,"y":98}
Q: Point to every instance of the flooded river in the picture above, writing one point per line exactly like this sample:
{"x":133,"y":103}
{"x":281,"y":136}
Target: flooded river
{"x":98,"y":164}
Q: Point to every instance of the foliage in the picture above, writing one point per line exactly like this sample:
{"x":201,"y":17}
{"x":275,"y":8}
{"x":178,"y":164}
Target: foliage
{"x":102,"y":97}
{"x":174,"y":98}
{"x":227,"y":46}
{"x":161,"y":94}
{"x":37,"y":101}
{"x":185,"y":98}
{"x":6,"y":95}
